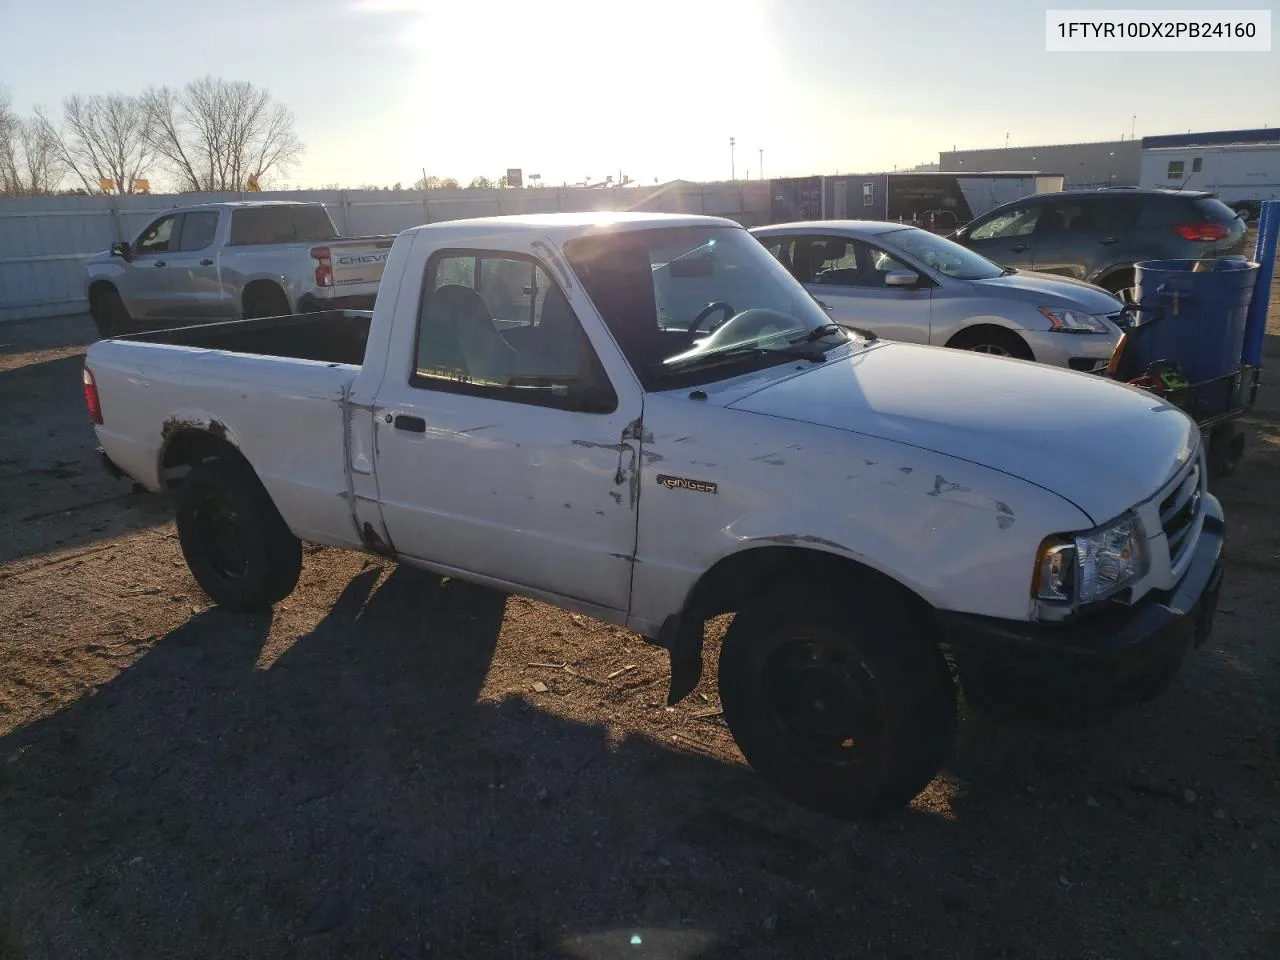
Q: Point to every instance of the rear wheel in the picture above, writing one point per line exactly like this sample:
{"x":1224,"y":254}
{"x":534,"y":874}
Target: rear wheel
{"x":848,"y":715}
{"x":109,"y":313}
{"x":996,"y":341}
{"x":265,"y":300}
{"x":235,"y":542}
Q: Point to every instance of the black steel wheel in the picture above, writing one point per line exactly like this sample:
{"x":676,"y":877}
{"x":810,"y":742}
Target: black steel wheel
{"x":235,"y":542}
{"x":848,"y":709}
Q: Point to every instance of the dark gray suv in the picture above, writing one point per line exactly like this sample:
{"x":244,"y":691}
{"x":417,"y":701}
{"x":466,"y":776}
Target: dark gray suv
{"x":1098,"y":235}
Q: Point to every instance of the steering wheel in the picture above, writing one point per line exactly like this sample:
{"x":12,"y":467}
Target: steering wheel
{"x":708,"y":310}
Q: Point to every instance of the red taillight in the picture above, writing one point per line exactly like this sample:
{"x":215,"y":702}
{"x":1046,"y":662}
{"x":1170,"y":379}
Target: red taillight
{"x":1202,"y":231}
{"x":91,"y":396}
{"x":324,"y":266}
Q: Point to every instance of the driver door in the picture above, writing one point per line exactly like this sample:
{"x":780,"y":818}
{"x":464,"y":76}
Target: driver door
{"x":144,"y":282}
{"x":490,"y":458}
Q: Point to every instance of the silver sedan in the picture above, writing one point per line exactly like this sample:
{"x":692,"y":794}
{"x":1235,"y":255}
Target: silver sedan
{"x":904,"y":283}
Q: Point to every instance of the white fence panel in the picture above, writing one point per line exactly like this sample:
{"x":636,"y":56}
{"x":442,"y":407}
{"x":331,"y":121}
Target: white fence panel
{"x":44,"y":241}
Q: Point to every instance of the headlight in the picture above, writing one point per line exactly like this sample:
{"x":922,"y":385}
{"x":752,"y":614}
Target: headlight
{"x":1085,"y":567}
{"x":1073,"y":321}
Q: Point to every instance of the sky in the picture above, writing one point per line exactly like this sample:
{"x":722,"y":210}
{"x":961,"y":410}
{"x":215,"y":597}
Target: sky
{"x":570,"y":89}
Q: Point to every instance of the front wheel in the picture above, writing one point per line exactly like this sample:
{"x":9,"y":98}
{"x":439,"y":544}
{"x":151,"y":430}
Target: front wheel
{"x":996,"y":341}
{"x":109,"y":314}
{"x":849,"y":715}
{"x":235,"y":542}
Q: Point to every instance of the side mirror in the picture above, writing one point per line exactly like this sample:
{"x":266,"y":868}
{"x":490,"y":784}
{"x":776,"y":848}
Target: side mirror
{"x":121,"y":248}
{"x":901,"y":278}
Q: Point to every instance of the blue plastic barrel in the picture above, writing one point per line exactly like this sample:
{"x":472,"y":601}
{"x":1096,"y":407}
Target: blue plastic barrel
{"x":1264,"y":255}
{"x":1201,"y":307}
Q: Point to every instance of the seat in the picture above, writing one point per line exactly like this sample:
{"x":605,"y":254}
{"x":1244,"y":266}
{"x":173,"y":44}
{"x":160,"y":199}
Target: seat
{"x":462,"y":337}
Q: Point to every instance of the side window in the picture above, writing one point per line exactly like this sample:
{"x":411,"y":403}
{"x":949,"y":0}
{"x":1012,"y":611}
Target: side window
{"x":1117,"y":215}
{"x":198,"y":230}
{"x":877,"y":264}
{"x":252,"y":225}
{"x":1197,"y":164}
{"x":494,"y":324}
{"x":780,"y":249}
{"x":1018,"y":222}
{"x":155,"y":239}
{"x":835,"y":261}
{"x":868,"y":194}
{"x":1073,"y":217}
{"x":1175,"y":170}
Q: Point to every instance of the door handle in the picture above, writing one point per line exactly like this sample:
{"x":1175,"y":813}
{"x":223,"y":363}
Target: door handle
{"x":413,"y":424}
{"x":206,"y":262}
{"x":1018,"y":247}
{"x":159,"y":263}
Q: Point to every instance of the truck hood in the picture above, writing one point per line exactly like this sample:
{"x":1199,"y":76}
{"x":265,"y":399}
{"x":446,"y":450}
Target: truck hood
{"x":1050,"y":290}
{"x":1099,"y":444}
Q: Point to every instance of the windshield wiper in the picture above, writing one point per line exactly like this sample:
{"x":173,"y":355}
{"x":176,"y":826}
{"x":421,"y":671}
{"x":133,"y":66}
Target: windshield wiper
{"x":730,"y":354}
{"x":817,"y":333}
{"x":1006,"y":271}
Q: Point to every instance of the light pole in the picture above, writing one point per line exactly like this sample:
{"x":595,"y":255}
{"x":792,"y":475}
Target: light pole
{"x":1133,"y":125}
{"x":733,"y":167}
{"x":762,"y":163}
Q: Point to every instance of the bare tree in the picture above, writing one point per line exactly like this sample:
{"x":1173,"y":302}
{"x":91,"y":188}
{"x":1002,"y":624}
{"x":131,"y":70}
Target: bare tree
{"x":480,"y":183}
{"x":104,"y":137}
{"x":8,"y":145}
{"x":215,"y":134}
{"x":30,"y":158}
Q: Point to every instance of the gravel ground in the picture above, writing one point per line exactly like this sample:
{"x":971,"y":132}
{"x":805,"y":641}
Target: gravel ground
{"x":392,"y":765}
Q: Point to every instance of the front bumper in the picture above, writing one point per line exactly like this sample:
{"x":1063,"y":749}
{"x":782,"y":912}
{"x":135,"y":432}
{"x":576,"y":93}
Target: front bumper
{"x":1107,"y":658}
{"x":1076,"y":351}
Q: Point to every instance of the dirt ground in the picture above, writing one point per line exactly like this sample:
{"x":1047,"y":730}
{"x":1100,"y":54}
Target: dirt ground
{"x":370,"y":771}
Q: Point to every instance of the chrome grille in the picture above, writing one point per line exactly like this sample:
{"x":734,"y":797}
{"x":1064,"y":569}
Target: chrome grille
{"x":1178,"y":513}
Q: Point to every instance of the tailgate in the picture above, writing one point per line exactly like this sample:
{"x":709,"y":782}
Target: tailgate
{"x":359,"y":261}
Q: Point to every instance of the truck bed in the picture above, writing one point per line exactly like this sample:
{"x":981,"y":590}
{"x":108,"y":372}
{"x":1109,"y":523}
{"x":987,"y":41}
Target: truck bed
{"x":327,"y":336}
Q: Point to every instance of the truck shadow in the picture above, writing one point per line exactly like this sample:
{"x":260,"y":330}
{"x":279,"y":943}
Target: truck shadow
{"x":353,"y":796}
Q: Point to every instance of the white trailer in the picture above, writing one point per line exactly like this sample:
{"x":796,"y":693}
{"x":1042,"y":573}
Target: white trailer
{"x":1241,"y":175}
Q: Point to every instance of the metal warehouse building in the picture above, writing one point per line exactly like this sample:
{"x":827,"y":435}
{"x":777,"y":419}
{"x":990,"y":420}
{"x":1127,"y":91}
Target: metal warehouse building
{"x":1106,"y":162}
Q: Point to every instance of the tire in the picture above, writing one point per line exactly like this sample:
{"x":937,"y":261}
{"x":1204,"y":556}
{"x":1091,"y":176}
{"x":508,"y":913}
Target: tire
{"x":235,"y":542}
{"x":109,"y":314}
{"x":993,"y":340}
{"x":1245,"y":211}
{"x":1119,"y":283}
{"x":898,"y":701}
{"x":266,"y":300}
{"x":1226,"y":448}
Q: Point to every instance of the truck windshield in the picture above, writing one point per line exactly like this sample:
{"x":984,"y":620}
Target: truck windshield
{"x":698,"y":304}
{"x":941,"y":254}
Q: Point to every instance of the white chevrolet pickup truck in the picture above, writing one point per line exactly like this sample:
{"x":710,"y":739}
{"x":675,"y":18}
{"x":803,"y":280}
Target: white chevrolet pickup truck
{"x":221,"y":261}
{"x":524,"y":409}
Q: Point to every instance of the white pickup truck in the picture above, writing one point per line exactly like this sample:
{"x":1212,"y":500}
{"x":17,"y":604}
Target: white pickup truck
{"x":514,"y":412}
{"x":219,"y":261}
